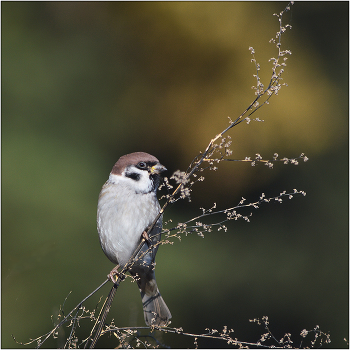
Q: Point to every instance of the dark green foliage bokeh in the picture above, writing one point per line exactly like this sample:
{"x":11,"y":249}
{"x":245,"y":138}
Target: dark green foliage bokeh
{"x":86,"y":82}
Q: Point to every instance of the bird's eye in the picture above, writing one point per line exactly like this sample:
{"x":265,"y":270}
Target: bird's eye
{"x":142,"y":165}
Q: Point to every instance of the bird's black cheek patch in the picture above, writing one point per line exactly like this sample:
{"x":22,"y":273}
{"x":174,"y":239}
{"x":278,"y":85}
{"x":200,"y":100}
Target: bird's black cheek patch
{"x":134,"y":176}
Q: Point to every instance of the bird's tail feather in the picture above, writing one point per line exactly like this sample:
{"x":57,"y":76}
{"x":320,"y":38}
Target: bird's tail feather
{"x":155,"y":310}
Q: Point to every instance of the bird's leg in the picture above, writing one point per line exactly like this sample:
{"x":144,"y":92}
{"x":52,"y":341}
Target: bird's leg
{"x":145,"y":236}
{"x":113,"y":273}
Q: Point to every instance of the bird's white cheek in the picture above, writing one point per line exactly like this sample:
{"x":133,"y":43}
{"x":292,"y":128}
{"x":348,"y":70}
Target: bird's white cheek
{"x":143,"y":185}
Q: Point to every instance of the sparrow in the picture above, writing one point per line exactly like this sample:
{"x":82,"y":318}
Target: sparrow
{"x":127,"y":207}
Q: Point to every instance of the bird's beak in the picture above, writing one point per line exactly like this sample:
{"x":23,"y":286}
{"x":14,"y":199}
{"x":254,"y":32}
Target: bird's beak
{"x":158,"y":168}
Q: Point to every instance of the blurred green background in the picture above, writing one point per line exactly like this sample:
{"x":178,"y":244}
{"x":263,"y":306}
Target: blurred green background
{"x":86,"y":82}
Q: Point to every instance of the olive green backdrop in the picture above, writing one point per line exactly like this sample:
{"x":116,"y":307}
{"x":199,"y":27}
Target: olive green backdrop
{"x":86,"y":82}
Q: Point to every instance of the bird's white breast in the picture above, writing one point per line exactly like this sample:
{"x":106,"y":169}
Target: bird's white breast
{"x":122,"y":216}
